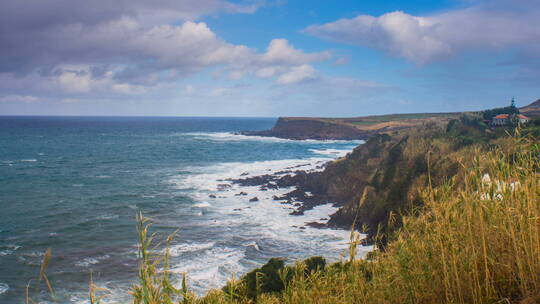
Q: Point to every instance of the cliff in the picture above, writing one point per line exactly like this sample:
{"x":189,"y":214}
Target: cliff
{"x":347,"y":128}
{"x":312,"y":128}
{"x":392,"y":170}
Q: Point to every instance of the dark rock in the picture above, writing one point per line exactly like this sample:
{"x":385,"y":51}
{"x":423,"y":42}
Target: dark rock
{"x":223,"y":187}
{"x":212,"y":196}
{"x":297,"y":212}
{"x":316,"y":225}
{"x":255,"y":199}
{"x":241,"y":194}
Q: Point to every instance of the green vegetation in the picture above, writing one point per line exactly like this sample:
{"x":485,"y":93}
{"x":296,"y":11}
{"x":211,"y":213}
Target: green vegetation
{"x":511,"y":109}
{"x":473,"y":235}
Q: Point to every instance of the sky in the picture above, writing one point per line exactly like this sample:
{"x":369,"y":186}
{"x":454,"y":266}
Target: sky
{"x":268,"y":58}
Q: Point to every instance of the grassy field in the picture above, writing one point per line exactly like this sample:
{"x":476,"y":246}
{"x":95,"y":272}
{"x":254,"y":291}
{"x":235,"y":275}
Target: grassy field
{"x":390,"y":122}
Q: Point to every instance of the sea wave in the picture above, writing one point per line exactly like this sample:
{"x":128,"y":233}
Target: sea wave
{"x":179,"y":249}
{"x":331,"y":152}
{"x":3,"y":288}
{"x":212,"y":268}
{"x":86,"y":262}
{"x":202,"y":205}
{"x":228,"y":136}
{"x":107,"y":217}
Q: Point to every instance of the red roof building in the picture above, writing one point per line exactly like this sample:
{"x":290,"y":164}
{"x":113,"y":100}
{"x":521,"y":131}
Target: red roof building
{"x":500,"y":120}
{"x":504,"y":119}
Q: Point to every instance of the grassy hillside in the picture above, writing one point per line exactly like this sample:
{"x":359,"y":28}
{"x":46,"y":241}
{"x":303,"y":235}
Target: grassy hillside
{"x":532,"y":110}
{"x":385,"y":123}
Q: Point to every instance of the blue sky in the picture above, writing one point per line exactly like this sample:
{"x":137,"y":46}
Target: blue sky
{"x":266,"y":58}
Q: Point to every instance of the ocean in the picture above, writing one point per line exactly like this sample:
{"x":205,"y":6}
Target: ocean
{"x":75,"y":184}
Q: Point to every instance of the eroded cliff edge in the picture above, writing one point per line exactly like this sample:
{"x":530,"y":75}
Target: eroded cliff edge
{"x":311,"y":128}
{"x":301,"y":128}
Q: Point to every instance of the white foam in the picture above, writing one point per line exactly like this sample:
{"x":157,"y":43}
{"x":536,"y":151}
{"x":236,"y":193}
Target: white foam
{"x":9,"y":249}
{"x":29,"y":160}
{"x":212,"y":268}
{"x":5,"y":252}
{"x":202,"y":205}
{"x":3,"y":288}
{"x":211,"y":177}
{"x":254,"y":245}
{"x":107,"y":217}
{"x":91,"y":261}
{"x":179,"y":249}
{"x":331,"y":152}
{"x":227,"y":136}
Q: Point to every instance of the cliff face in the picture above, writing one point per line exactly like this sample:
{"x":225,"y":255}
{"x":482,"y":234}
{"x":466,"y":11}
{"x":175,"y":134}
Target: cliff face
{"x":309,"y":128}
{"x":393,"y":170}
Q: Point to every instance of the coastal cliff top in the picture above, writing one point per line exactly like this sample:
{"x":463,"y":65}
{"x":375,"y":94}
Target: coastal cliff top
{"x":388,"y":122}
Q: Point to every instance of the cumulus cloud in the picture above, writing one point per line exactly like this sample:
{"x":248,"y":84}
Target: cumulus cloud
{"x":280,"y":52}
{"x":495,"y":25}
{"x":297,"y":74}
{"x":125,"y":47}
{"x":43,"y":34}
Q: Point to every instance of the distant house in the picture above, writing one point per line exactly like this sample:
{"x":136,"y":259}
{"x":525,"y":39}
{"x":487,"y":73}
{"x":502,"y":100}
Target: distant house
{"x":505,"y":119}
{"x":500,"y":120}
{"x":522,"y":118}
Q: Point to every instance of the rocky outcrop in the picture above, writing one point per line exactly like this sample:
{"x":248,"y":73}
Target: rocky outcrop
{"x":312,"y":128}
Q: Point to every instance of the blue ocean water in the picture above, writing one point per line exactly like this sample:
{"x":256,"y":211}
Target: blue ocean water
{"x":74,"y":184}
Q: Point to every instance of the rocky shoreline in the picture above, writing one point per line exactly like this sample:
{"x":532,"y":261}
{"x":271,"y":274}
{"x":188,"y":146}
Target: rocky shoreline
{"x":303,"y":195}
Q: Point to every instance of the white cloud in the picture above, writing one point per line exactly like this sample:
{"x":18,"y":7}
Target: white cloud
{"x":280,"y":52}
{"x":297,"y":74}
{"x":126,"y":88}
{"x":218,"y":92}
{"x":283,"y":61}
{"x":424,"y":39}
{"x":189,"y":89}
{"x":75,"y":81}
{"x":19,"y":98}
{"x":341,"y":61}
